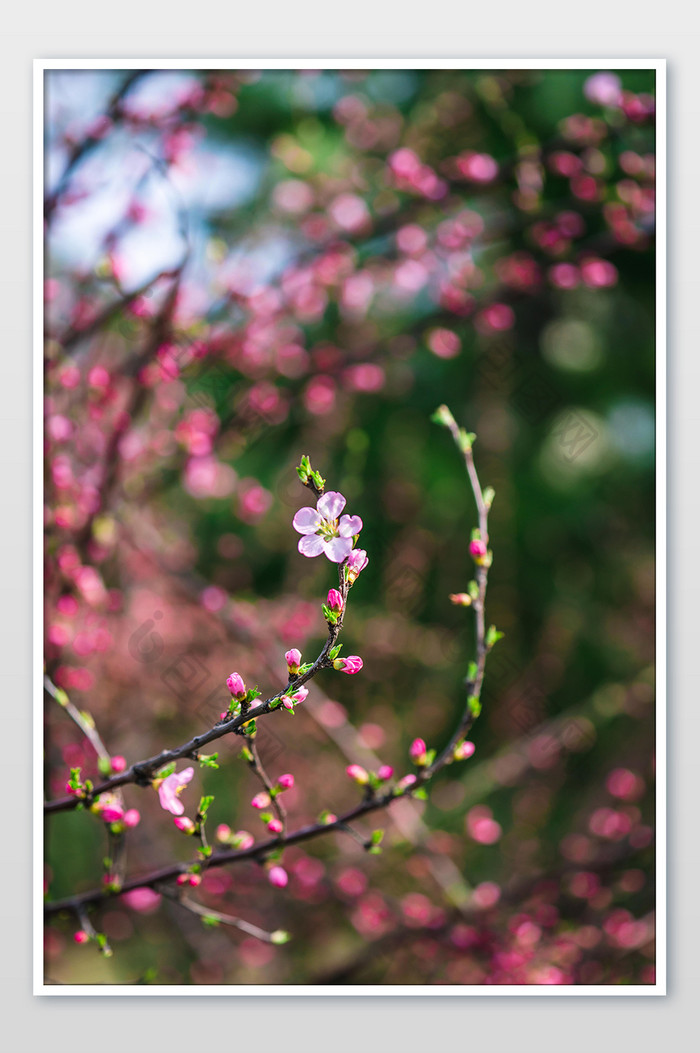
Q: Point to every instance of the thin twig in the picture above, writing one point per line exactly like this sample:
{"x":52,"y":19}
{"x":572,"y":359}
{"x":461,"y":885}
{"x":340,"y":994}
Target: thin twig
{"x":86,"y":726}
{"x":226,"y":919}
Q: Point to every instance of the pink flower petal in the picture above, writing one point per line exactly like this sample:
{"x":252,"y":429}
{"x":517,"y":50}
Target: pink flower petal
{"x":167,"y":791}
{"x":338,"y":549}
{"x":331,"y":504}
{"x":349,"y":525}
{"x":311,"y":545}
{"x":307,"y":521}
{"x":169,"y":801}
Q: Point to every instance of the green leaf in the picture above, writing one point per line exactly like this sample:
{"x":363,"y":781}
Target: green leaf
{"x":493,"y":636}
{"x":374,"y":850}
{"x":104,"y":765}
{"x":443,"y":416}
{"x":208,"y":761}
{"x":376,"y":837}
{"x":474,"y":705}
{"x":163,"y":773}
{"x":335,"y":651}
{"x":473,"y":590}
{"x":466,"y":440}
{"x":303,"y":469}
{"x":210,"y":921}
{"x":204,"y":805}
{"x":279,"y":936}
{"x":472,"y":671}
{"x":488,"y":495}
{"x":61,"y":697}
{"x":421,"y":794}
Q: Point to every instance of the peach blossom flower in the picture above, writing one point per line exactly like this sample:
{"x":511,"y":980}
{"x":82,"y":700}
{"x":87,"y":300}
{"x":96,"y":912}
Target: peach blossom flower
{"x":325,"y":530}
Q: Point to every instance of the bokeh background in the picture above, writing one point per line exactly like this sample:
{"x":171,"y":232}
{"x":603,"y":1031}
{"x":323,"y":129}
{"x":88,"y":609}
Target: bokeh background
{"x":242,"y":267}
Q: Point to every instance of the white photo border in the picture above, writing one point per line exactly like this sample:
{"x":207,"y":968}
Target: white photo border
{"x":41,"y":66}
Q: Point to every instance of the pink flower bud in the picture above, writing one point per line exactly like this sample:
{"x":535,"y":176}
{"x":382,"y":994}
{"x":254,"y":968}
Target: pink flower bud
{"x":118,"y":764}
{"x":278,"y":877}
{"x":477,"y":550}
{"x":275,"y":826}
{"x":385,"y":772}
{"x":460,"y":599}
{"x":329,"y":818}
{"x":357,"y":561}
{"x":182,"y":879}
{"x":132,"y":818}
{"x":358,"y":774}
{"x":463,"y":751}
{"x":417,"y":750}
{"x":285,"y":782}
{"x":293,"y":659}
{"x":236,"y":686}
{"x":223,"y":832}
{"x":242,"y":840}
{"x":81,"y":936}
{"x":406,"y":782}
{"x":195,"y":879}
{"x":350,"y":665}
{"x":299,"y":695}
{"x":335,"y":601}
{"x":112,"y":813}
{"x":184,"y":824}
{"x":261,"y":800}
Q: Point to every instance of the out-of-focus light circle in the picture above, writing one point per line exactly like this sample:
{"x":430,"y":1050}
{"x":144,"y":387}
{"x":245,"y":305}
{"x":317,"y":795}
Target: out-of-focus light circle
{"x":571,"y":344}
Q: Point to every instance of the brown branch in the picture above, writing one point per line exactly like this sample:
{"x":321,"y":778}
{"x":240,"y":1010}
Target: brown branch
{"x":255,"y":852}
{"x":81,"y":149}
